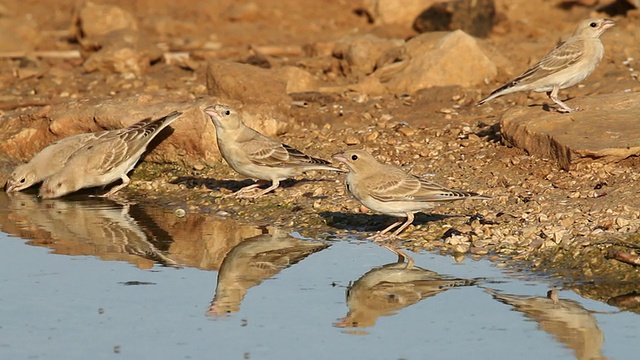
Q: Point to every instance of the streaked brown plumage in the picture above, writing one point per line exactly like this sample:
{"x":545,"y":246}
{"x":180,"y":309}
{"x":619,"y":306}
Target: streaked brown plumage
{"x":105,"y":160}
{"x":390,"y":190}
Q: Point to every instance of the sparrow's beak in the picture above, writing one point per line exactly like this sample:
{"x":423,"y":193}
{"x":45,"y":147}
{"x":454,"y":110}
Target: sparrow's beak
{"x":210,"y":110}
{"x":608,"y":23}
{"x":339,"y":157}
{"x":10,"y":187}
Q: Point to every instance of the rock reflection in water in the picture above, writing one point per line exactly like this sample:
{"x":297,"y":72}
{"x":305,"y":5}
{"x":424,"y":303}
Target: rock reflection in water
{"x":569,"y":322}
{"x":389,"y":288}
{"x":253,"y":260}
{"x":96,"y":227}
{"x":630,"y":301}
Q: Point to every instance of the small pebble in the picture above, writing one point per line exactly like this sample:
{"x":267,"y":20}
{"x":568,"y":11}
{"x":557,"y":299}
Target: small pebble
{"x":352,"y":140}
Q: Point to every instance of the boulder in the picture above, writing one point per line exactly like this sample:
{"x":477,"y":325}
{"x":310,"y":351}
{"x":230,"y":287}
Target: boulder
{"x":633,"y":3}
{"x":474,"y":17}
{"x":606,"y":130}
{"x":193,"y":140}
{"x":437,"y":59}
{"x":98,"y":20}
{"x":19,"y":34}
{"x":297,"y":80}
{"x":122,"y":52}
{"x":394,"y":11}
{"x":358,"y":54}
{"x":246,"y":83}
{"x":111,"y":42}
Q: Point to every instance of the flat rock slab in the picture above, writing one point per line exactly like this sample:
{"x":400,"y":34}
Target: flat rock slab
{"x":607,"y":130}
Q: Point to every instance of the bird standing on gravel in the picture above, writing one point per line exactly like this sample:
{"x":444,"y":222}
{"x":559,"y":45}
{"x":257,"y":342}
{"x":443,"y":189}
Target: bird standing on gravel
{"x":105,"y":160}
{"x":254,"y":155}
{"x":390,"y":190}
{"x":49,"y":161}
{"x":565,"y":66}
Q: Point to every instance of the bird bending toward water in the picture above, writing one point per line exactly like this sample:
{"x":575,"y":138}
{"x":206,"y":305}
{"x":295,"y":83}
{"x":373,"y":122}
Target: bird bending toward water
{"x":49,"y":160}
{"x":105,"y":160}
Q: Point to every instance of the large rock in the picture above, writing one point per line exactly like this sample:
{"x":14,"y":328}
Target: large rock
{"x":250,"y":84}
{"x":437,"y":59}
{"x":111,"y":42}
{"x":193,"y":140}
{"x":298,"y":80}
{"x":19,"y":34}
{"x":358,"y":54}
{"x":474,"y":17}
{"x":394,"y":11}
{"x":98,"y":20}
{"x":122,"y":52}
{"x":606,"y":130}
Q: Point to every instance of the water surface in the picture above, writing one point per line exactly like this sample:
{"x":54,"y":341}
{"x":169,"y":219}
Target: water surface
{"x":107,"y":280}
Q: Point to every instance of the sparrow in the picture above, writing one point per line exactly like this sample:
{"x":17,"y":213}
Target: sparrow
{"x":105,"y":160}
{"x":256,"y":156}
{"x":390,"y":190}
{"x":49,"y":160}
{"x":565,"y":66}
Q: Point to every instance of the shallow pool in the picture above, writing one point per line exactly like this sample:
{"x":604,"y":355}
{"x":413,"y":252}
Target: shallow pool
{"x":108,"y":280}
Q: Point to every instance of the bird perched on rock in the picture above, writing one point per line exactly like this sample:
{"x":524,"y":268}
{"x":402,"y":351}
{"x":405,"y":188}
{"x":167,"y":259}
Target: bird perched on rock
{"x":390,"y":190}
{"x":254,"y":155}
{"x":105,"y":160}
{"x":565,"y":66}
{"x":49,"y":160}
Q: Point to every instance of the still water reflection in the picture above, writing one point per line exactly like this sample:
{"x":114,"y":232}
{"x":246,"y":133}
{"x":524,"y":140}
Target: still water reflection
{"x":252,"y":261}
{"x":568,"y":321}
{"x":276,"y":294}
{"x":387,"y":289}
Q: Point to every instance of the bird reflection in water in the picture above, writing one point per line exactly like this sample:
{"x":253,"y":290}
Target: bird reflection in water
{"x":387,"y":289}
{"x":95,"y":227}
{"x":568,"y":321}
{"x":252,"y":261}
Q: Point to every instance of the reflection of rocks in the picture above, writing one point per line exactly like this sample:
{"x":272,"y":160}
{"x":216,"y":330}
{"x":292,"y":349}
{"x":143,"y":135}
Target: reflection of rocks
{"x":569,"y":322}
{"x":95,"y":227}
{"x":630,"y":301}
{"x":254,"y":260}
{"x":389,"y":288}
{"x":200,"y":240}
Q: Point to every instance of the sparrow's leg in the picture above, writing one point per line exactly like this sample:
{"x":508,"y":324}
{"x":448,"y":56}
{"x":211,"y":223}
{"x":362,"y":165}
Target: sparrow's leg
{"x":274,"y":185}
{"x":244,"y":190}
{"x":553,"y":95}
{"x":404,"y":226}
{"x":381,"y":235}
{"x":115,"y":189}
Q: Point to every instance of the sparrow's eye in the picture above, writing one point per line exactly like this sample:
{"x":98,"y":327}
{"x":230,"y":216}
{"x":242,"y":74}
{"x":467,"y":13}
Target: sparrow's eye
{"x":227,"y":112}
{"x":593,"y":25}
{"x":354,"y":157}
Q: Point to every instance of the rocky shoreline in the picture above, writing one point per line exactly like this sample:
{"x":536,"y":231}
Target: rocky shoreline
{"x":565,"y":187}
